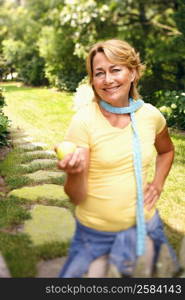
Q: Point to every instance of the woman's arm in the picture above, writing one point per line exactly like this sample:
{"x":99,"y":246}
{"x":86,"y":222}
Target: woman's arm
{"x":164,"y":160}
{"x":76,"y":167}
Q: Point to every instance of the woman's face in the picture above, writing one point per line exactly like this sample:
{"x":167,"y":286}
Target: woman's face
{"x":111,"y":81}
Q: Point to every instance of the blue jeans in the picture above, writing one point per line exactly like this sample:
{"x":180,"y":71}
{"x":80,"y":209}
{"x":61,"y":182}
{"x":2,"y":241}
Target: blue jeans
{"x":89,"y":244}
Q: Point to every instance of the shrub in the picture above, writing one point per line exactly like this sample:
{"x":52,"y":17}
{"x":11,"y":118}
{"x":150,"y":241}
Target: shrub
{"x":68,"y":80}
{"x":2,"y":100}
{"x":4,"y":122}
{"x":172,"y":106}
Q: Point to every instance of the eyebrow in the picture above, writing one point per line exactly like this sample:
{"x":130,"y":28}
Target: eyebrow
{"x":100,"y":68}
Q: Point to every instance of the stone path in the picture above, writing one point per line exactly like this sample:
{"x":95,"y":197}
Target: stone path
{"x":51,"y":214}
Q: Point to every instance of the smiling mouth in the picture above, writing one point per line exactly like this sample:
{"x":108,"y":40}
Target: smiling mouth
{"x":112,"y":89}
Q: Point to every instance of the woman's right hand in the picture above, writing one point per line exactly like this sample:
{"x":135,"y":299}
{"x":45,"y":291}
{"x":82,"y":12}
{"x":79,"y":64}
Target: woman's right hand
{"x":74,"y":162}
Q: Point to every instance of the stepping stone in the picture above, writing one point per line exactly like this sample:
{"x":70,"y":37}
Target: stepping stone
{"x":23,"y":140}
{"x":50,"y":268}
{"x":4,"y":272}
{"x":43,"y":176}
{"x":30,"y":147}
{"x":39,"y":144}
{"x":41,"y":163}
{"x":40,"y":192}
{"x":39,"y":154}
{"x":50,"y":224}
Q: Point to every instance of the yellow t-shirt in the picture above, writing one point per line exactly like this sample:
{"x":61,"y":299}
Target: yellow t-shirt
{"x":111,"y":199}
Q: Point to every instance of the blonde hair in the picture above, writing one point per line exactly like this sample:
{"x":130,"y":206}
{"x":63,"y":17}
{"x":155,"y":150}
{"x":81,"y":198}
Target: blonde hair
{"x":117,"y":52}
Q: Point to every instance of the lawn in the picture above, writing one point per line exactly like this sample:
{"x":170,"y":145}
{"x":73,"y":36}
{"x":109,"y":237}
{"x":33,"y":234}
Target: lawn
{"x":43,"y":113}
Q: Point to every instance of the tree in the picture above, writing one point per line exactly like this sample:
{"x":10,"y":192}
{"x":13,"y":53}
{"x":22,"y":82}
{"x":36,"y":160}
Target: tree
{"x":55,"y":35}
{"x":19,"y":46}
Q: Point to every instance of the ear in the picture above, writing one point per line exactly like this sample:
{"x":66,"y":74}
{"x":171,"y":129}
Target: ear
{"x":133,"y":74}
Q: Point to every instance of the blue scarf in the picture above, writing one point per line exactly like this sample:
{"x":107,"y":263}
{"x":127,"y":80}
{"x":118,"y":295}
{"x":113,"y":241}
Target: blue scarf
{"x":140,"y":221}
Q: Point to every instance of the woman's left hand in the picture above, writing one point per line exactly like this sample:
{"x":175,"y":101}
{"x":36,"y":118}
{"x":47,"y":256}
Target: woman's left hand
{"x":151,"y":195}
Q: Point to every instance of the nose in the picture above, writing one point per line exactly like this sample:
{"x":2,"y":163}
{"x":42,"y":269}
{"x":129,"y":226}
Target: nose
{"x":108,"y":78}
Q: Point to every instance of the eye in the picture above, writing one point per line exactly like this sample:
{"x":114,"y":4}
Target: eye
{"x":98,"y":74}
{"x":116,"y":70}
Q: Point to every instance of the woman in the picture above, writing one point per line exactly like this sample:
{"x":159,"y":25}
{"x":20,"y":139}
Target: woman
{"x":116,"y":218}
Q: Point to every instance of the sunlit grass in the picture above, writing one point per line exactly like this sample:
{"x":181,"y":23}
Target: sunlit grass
{"x":43,"y":113}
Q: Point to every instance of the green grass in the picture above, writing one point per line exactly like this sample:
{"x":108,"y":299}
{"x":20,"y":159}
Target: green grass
{"x":12,"y":213}
{"x":45,"y":114}
{"x":19,"y":254}
{"x":174,"y":190}
{"x":22,"y":258}
{"x":17,"y":181}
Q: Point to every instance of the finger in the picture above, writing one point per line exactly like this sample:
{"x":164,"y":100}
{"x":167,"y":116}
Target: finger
{"x":150,"y":193}
{"x":151,"y":204}
{"x":78,"y":159}
{"x":61,"y":164}
{"x":64,"y":162}
{"x":148,"y":189}
{"x":150,"y":196}
{"x":75,"y":159}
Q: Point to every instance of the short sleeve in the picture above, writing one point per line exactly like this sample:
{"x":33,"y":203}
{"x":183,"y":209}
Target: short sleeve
{"x":160,"y":121}
{"x":78,"y":131}
{"x":157,"y":117}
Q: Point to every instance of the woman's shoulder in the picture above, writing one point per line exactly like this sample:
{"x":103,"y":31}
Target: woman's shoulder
{"x":151,"y":109}
{"x":151,"y":112}
{"x":86,"y":112}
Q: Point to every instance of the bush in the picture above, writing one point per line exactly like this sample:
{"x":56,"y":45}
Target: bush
{"x":172,"y":105}
{"x":4,"y":122}
{"x":68,"y":80}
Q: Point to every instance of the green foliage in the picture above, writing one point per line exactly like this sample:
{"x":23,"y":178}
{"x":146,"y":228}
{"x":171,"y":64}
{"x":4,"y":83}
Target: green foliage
{"x":25,"y":60}
{"x":172,"y":105}
{"x":47,"y":41}
{"x":4,"y":68}
{"x":63,"y":69}
{"x":4,"y":122}
{"x":2,"y":99}
{"x":20,"y":50}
